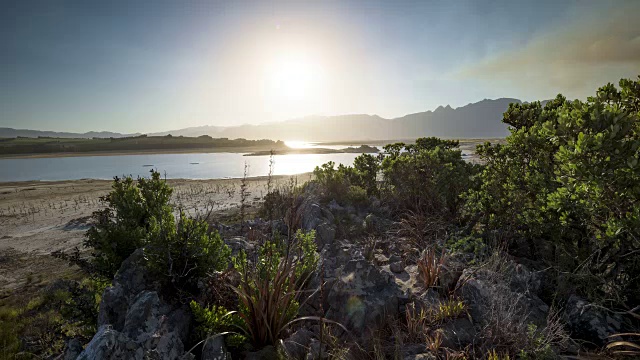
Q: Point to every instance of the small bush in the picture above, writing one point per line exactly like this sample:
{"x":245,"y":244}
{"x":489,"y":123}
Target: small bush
{"x":186,"y":251}
{"x":123,"y":225}
{"x":357,"y":196}
{"x":215,"y":320}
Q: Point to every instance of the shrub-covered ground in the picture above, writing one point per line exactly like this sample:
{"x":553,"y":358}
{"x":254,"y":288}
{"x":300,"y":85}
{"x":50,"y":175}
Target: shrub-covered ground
{"x":410,"y":254}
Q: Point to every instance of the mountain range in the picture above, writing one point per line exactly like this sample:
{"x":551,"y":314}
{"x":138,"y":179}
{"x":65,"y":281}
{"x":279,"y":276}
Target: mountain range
{"x":482,"y":119}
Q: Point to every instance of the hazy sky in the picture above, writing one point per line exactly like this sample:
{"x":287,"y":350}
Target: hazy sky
{"x":144,"y":66}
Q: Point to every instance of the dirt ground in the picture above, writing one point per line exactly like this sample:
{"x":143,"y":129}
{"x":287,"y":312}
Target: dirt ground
{"x":38,"y":218}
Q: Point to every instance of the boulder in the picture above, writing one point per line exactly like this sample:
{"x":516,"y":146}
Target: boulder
{"x":297,"y":345}
{"x":134,"y":322}
{"x":484,"y":289}
{"x":215,"y":349}
{"x":309,"y":215}
{"x":73,"y":350}
{"x":591,"y":323}
{"x":361,"y":296}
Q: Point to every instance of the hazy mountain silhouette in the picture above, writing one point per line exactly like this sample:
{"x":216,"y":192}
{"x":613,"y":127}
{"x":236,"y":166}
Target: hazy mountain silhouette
{"x":476,"y":120}
{"x":12,"y":133}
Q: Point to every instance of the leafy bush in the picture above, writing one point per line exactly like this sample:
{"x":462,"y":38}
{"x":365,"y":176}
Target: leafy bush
{"x":427,"y":177}
{"x":186,"y":251}
{"x":214,"y":320}
{"x":334,"y":182}
{"x":271,"y":287}
{"x":469,"y":244}
{"x":357,"y":196}
{"x":124,"y":224}
{"x":566,"y":181}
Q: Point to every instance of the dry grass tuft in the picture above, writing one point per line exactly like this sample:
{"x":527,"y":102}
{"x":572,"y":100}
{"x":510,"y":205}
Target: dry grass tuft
{"x":429,"y":265}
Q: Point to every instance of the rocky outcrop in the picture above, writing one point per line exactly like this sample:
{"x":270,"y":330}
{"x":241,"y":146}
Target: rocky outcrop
{"x":591,"y":323}
{"x":309,"y":215}
{"x":361,"y":296}
{"x":513,"y":288}
{"x":134,"y":322}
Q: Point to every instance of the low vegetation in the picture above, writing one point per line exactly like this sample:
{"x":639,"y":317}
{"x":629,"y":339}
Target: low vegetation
{"x":485,"y":258}
{"x":47,"y":145}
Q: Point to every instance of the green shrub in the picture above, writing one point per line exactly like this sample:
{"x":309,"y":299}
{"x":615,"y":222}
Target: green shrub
{"x":215,"y":320}
{"x":184,"y":251}
{"x":428,"y":177}
{"x":357,"y":196}
{"x":334,"y":182}
{"x":10,"y":344}
{"x":468,"y":244}
{"x":124,"y":224}
{"x":566,"y":181}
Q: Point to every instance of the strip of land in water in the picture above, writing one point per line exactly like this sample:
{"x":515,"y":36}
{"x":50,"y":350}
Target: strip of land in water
{"x":48,"y":147}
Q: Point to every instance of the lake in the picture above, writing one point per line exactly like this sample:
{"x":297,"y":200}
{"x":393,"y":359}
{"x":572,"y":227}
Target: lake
{"x":176,"y":166}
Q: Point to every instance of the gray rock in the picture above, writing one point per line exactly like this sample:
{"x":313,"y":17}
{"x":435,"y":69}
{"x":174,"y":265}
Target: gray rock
{"x":134,"y":322}
{"x":131,"y":279}
{"x":483,"y":290}
{"x":108,"y":344}
{"x":591,"y":323}
{"x":397,"y":267}
{"x":214,"y":349}
{"x":373,"y":223}
{"x":361,"y":296}
{"x":266,"y":353}
{"x":73,"y":350}
{"x":296,"y":346}
{"x":311,"y":216}
{"x":458,"y":333}
{"x":424,"y":356}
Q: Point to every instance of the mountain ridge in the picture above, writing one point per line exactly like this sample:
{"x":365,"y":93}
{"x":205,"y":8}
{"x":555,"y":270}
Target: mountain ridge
{"x":482,"y":119}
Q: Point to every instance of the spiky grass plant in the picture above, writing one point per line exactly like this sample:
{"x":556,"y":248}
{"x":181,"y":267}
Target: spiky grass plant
{"x":429,"y":265}
{"x":272,"y":287}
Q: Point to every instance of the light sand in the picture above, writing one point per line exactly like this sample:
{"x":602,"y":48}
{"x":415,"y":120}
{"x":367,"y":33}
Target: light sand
{"x":38,"y":218}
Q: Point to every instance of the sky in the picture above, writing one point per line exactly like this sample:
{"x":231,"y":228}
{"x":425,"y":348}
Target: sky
{"x":143,"y":66}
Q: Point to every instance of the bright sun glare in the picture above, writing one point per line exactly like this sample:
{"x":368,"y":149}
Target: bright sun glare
{"x":294,"y":77}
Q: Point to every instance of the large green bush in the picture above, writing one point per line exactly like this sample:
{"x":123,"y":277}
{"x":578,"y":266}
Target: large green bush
{"x":123,"y":225}
{"x":427,"y":177}
{"x":568,"y":182}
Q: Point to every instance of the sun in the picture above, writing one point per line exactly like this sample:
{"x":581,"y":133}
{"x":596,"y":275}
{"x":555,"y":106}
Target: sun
{"x":293,"y":77}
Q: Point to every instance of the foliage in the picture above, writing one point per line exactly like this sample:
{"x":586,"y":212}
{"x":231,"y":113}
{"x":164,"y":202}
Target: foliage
{"x":41,"y":327}
{"x":334,"y":182}
{"x":427,"y":177}
{"x":566,"y":181}
{"x":469,"y":244}
{"x":271,"y":287}
{"x":216,"y":319}
{"x":124,"y":224}
{"x":185,"y":251}
{"x":449,"y":309}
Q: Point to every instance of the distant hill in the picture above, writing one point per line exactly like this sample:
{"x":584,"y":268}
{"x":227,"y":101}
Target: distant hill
{"x":12,"y":133}
{"x":476,"y":120}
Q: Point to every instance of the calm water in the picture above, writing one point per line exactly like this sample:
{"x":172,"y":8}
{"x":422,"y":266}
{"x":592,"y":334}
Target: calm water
{"x":185,"y":166}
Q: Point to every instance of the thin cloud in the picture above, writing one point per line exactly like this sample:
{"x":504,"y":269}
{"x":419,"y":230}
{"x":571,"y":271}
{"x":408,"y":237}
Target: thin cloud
{"x":574,"y":59}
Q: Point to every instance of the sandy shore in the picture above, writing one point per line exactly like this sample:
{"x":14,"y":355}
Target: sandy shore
{"x":41,"y":217}
{"x":37,"y":218}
